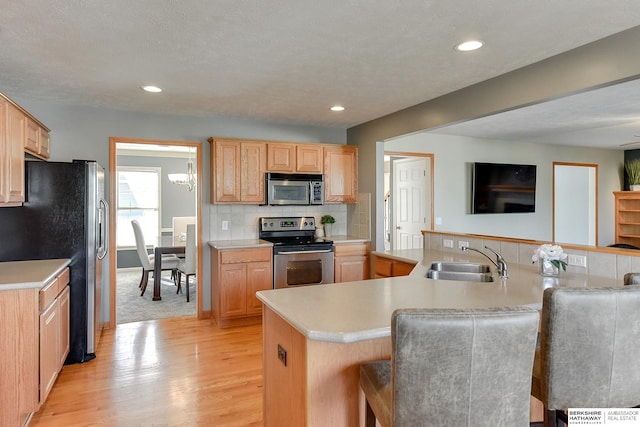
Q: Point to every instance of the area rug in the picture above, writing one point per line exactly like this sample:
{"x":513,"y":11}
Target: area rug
{"x":131,"y":307}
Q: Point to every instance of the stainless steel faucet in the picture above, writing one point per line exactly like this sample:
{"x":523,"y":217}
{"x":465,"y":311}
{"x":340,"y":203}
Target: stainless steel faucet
{"x":500,"y":262}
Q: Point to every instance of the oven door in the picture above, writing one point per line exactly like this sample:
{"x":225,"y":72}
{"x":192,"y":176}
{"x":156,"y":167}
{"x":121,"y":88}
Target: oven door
{"x":302,"y":268}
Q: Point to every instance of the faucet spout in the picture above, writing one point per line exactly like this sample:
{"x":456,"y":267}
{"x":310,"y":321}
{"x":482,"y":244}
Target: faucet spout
{"x":500,"y":262}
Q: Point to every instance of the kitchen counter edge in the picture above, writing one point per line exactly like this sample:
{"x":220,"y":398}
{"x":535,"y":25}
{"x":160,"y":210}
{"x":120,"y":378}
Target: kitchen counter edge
{"x":16,"y":275}
{"x":239,"y":244}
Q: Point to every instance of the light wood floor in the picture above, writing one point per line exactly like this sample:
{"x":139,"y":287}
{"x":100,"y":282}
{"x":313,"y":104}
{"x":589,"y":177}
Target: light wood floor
{"x":167,"y":372}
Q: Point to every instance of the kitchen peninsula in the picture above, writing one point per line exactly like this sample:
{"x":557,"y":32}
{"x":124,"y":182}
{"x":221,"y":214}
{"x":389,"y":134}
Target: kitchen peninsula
{"x":315,"y":337}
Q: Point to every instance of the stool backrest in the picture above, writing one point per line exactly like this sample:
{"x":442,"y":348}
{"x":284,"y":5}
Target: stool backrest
{"x":590,"y":347}
{"x":462,"y":368}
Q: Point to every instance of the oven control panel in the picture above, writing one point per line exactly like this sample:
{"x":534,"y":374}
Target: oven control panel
{"x":287,"y":223}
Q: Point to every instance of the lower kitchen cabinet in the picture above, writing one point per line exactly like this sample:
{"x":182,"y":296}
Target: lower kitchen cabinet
{"x":391,"y":267}
{"x":351,"y":261}
{"x":237,"y":274}
{"x":35,"y":339}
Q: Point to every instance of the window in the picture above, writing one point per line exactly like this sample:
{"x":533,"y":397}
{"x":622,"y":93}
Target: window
{"x":138,"y":198}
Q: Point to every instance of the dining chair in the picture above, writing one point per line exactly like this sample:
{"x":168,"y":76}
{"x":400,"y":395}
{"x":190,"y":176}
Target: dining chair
{"x":588,"y":354}
{"x":187,"y":266}
{"x":169,"y":261}
{"x":454,"y":367}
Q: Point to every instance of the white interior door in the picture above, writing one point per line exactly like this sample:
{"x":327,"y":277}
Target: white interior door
{"x":410,"y":195}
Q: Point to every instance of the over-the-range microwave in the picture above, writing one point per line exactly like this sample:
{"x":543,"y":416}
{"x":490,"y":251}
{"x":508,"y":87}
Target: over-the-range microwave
{"x":294,"y":189}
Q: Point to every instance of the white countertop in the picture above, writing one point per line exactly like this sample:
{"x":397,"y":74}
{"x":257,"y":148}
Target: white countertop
{"x":239,"y":244}
{"x":29,"y":274}
{"x":357,"y":311}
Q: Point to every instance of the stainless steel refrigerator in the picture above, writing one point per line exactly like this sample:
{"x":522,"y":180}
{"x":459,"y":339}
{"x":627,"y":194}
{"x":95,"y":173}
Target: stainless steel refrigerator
{"x":65,"y":215}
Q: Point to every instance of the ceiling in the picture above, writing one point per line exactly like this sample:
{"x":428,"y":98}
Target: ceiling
{"x":289,"y":61}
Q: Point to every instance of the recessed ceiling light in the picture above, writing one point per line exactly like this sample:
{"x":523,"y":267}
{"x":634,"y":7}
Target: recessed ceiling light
{"x":152,"y":89}
{"x":337,"y":108}
{"x":469,"y":45}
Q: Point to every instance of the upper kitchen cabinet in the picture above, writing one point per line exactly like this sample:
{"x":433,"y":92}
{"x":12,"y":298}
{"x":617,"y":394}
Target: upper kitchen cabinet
{"x":281,"y":157}
{"x":294,"y":158}
{"x":309,"y":158}
{"x":19,"y":133}
{"x":340,"y":174}
{"x":238,"y":171}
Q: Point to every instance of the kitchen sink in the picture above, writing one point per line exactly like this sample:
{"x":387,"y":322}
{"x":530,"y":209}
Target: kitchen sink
{"x":459,"y":275}
{"x":461,"y":267}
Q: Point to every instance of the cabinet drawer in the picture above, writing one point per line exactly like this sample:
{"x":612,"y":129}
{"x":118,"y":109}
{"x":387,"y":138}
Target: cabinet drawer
{"x":245,"y":255}
{"x":402,"y":268}
{"x":50,"y":291}
{"x":353,"y":249}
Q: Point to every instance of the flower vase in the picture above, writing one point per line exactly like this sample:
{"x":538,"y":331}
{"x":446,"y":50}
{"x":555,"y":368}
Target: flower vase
{"x":328,"y":230}
{"x":547,"y":269}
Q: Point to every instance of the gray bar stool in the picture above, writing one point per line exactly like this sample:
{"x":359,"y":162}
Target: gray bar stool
{"x":454,"y":367}
{"x":589,"y":350}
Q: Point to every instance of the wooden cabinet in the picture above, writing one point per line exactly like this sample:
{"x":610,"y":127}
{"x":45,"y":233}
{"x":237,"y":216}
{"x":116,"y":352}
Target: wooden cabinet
{"x":281,"y":157}
{"x":391,"y":267}
{"x":627,"y":208}
{"x":35,"y":339}
{"x":309,"y":158}
{"x":19,"y":133}
{"x":237,"y":274}
{"x":238,"y":171}
{"x":351,"y":262}
{"x":54,"y":331}
{"x":340,"y":174}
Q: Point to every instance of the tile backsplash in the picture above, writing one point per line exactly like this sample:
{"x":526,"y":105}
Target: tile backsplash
{"x":242,"y":220}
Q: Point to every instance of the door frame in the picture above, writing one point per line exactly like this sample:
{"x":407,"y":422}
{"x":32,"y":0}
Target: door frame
{"x":431,"y":162}
{"x":113,"y":185}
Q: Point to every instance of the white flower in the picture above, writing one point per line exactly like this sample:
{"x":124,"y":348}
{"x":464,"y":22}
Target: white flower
{"x":548,"y":252}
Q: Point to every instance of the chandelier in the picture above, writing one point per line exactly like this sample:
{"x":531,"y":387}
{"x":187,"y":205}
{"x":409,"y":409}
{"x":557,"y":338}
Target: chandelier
{"x":188,"y":179}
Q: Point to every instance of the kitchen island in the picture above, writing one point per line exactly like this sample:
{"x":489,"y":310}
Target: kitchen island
{"x":315,"y":337}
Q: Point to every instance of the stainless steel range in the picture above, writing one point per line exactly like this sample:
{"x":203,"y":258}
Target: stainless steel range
{"x":299,"y":259}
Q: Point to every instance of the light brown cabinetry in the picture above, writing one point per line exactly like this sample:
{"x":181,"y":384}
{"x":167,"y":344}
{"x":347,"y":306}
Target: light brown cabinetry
{"x":340,"y":174}
{"x":390,"y":267}
{"x":237,"y":274}
{"x":238,"y":171}
{"x":309,"y":158}
{"x":281,"y":157}
{"x":351,"y":262}
{"x":35,"y":340}
{"x":627,"y":208}
{"x":19,"y":133}
{"x":54,"y":331}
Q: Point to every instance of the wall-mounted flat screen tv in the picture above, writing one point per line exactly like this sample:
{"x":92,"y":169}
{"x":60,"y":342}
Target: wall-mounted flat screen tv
{"x":503,"y":188}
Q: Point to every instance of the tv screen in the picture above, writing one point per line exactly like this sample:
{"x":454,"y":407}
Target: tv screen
{"x":503,"y":188}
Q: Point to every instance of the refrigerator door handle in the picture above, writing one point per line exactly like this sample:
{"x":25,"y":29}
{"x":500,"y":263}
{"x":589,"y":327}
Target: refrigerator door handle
{"x":103,"y":233}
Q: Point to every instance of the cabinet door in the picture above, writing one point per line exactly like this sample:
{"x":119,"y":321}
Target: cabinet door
{"x":64,"y":326}
{"x":341,"y":174}
{"x":281,"y":157}
{"x":259,"y":278}
{"x":233,"y":294}
{"x":350,"y":268}
{"x":31,"y":143}
{"x":253,"y":155}
{"x":49,"y":348}
{"x":15,"y":153}
{"x":44,"y":143}
{"x":227,"y":171}
{"x":309,"y":158}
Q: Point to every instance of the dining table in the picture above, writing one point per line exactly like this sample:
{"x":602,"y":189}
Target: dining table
{"x":157,"y":265}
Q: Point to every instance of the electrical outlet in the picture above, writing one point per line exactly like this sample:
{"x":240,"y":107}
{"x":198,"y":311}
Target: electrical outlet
{"x":447,"y":243}
{"x":438,"y":220}
{"x":579,"y":260}
{"x":225,"y":225}
{"x":462,"y":243}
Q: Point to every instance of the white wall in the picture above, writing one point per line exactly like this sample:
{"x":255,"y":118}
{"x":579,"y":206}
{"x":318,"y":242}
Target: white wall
{"x":83,"y":133}
{"x":452,"y":182}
